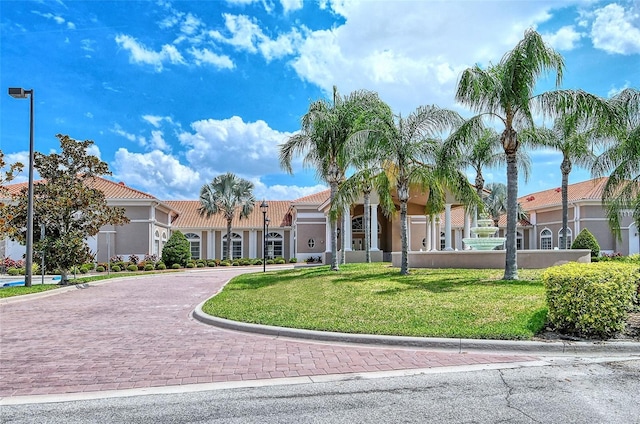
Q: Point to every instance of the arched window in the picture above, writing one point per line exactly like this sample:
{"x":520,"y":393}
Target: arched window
{"x":545,"y":239}
{"x":357,"y":225}
{"x":569,"y":238}
{"x":274,"y":245}
{"x":443,"y":242}
{"x":424,"y":243}
{"x":156,"y":243}
{"x":236,"y":246}
{"x":194,"y":242}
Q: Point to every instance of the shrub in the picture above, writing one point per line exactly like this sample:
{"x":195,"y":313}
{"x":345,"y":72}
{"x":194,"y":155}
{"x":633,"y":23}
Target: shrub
{"x":100,"y":268}
{"x":200,"y":265}
{"x":134,"y":259}
{"x":116,"y":258}
{"x":148,"y":267}
{"x":590,"y":299}
{"x":191,"y":265}
{"x":116,"y":268}
{"x":132,"y":268}
{"x":161,"y":266}
{"x":586,"y":240}
{"x":293,"y":260}
{"x":257,"y":262}
{"x":235,"y":263}
{"x":211,"y":263}
{"x":177,"y":250}
{"x":270,"y":262}
{"x":13,"y":271}
{"x":245,"y":262}
{"x":175,"y":266}
{"x":225,"y":263}
{"x":280,"y":261}
{"x":151,"y":258}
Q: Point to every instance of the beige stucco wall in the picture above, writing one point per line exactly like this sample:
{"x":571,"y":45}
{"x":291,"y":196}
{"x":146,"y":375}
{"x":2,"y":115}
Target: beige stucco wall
{"x":138,"y":212}
{"x":315,"y":231}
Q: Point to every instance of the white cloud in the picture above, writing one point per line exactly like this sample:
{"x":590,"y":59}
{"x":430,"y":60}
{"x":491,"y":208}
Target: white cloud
{"x":58,"y":19}
{"x":616,"y":30}
{"x":564,"y":39}
{"x":190,"y":24}
{"x":157,"y":141}
{"x":117,"y":129}
{"x":411,"y":53}
{"x":94,"y":150}
{"x":285,"y":192}
{"x":153,"y":120}
{"x":138,"y":53}
{"x":89,"y":115}
{"x":157,"y":173}
{"x":291,"y":5}
{"x":244,"y":32}
{"x":206,"y":56}
{"x":71,"y":25}
{"x":233,"y":145}
{"x":87,"y":45}
{"x":616,"y":90}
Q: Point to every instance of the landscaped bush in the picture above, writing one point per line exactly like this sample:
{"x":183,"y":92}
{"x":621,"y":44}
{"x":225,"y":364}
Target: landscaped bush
{"x":280,"y":261}
{"x":200,"y":264}
{"x":100,"y":268}
{"x":148,"y":267}
{"x":191,"y":265}
{"x":151,"y":258}
{"x":225,"y":263}
{"x":116,"y":268}
{"x":161,"y":266}
{"x":590,"y":299}
{"x":586,"y":240}
{"x":13,"y":271}
{"x":235,"y":263}
{"x":257,"y":262}
{"x":293,"y":260}
{"x":270,"y":262}
{"x":116,"y":258}
{"x":245,"y":262}
{"x":211,"y":263}
{"x":134,"y":259}
{"x":132,"y":268}
{"x":177,"y":250}
{"x":175,"y":266}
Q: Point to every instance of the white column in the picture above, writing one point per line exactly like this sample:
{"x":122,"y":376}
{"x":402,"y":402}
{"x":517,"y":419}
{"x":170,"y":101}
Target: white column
{"x":327,"y":242}
{"x":467,"y":229}
{"x":374,"y":228}
{"x":474,"y":219}
{"x":211,"y":243}
{"x":346,"y":229}
{"x":427,"y":233}
{"x":292,"y":244}
{"x":576,"y":221}
{"x":253,"y":243}
{"x":434,"y":233}
{"x":447,"y":227}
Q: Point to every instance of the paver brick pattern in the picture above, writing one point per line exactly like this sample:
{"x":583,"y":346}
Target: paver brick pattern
{"x":138,"y":332}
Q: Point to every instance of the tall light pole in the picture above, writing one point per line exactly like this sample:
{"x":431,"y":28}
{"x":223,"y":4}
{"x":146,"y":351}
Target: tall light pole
{"x":264,"y":207}
{"x":21,"y":93}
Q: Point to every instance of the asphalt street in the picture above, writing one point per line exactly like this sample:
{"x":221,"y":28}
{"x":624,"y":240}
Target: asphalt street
{"x":572,"y":391}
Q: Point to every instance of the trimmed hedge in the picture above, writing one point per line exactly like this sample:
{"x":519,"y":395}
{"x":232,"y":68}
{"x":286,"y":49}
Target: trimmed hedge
{"x":586,"y":240}
{"x":591,"y":300}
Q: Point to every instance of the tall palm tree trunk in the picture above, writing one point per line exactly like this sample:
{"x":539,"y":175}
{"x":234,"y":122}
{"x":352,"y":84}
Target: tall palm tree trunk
{"x":334,"y":230}
{"x":228,"y":240}
{"x":511,"y":260}
{"x":565,"y":168}
{"x":404,"y":264}
{"x":367,"y":227}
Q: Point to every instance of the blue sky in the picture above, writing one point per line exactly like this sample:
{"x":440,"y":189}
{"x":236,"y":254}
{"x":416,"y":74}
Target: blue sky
{"x":176,"y":93}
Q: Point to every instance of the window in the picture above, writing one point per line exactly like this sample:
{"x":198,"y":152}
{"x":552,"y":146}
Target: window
{"x":424,"y":242}
{"x":236,"y":246}
{"x":357,"y":225}
{"x":545,"y":239}
{"x":442,"y":241}
{"x":194,"y":242}
{"x":311,"y":243}
{"x":156,"y":243}
{"x":560,"y":237}
{"x":274,"y":245}
{"x":519,"y":240}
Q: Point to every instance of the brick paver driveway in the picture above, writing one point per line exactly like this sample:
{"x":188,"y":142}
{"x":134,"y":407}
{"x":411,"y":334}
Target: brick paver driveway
{"x":136,"y":333}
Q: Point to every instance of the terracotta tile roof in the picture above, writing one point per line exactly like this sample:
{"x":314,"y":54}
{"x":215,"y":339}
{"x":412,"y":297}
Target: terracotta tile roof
{"x":189,"y":217}
{"x":314,"y":199}
{"x":111,"y":190}
{"x":457,"y":219}
{"x":586,"y":190}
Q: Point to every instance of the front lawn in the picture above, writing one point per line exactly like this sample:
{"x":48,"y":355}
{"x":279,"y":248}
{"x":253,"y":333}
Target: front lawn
{"x":375,"y":299}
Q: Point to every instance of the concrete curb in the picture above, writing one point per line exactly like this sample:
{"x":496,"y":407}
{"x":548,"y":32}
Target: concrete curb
{"x":626,"y":348}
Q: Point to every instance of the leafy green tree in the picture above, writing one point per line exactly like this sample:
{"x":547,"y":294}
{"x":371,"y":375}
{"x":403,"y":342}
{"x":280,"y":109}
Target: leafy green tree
{"x":227,"y":194}
{"x":622,"y":160}
{"x":67,"y":204}
{"x":411,"y":154}
{"x":505,"y":92}
{"x":495,"y":204}
{"x":177,"y":250}
{"x":6,"y":176}
{"x":324,"y":142}
{"x":586,"y":240}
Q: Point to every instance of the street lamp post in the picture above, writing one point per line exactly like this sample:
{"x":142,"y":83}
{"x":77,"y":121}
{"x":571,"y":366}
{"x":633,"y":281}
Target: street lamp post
{"x":264,"y":207}
{"x":21,"y":93}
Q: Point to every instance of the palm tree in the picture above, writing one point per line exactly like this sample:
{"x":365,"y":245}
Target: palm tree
{"x":227,"y":194}
{"x":410,"y":154}
{"x":323,"y":140}
{"x":622,"y":159}
{"x":495,"y":204}
{"x":575,"y":137}
{"x":505,"y":91}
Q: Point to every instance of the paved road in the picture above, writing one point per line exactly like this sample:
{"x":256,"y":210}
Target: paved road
{"x":139,"y":333}
{"x":570,"y":392}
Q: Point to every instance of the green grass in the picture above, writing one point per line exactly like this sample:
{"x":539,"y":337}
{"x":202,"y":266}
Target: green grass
{"x":19,"y":291}
{"x":375,"y":299}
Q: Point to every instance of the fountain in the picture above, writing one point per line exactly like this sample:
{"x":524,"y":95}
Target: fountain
{"x":485,"y":239}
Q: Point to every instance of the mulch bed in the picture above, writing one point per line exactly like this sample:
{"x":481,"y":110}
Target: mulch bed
{"x":631,"y":333}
